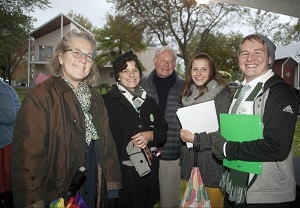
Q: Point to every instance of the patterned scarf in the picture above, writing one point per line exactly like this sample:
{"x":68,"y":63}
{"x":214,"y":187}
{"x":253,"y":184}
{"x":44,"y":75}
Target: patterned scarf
{"x":83,"y":95}
{"x":213,"y":89}
{"x":136,"y":98}
{"x":235,"y":182}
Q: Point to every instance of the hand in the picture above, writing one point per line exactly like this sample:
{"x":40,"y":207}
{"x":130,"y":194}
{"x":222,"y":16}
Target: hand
{"x":218,"y":145}
{"x":186,"y":135}
{"x":141,"y":139}
{"x":201,"y":141}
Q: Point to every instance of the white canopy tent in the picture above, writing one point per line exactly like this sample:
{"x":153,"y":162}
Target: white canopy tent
{"x":286,"y":7}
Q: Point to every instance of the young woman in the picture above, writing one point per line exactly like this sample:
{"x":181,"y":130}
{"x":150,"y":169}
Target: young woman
{"x":204,"y":83}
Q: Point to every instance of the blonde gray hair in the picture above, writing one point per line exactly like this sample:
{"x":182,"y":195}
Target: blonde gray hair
{"x":54,"y":66}
{"x":167,"y":47}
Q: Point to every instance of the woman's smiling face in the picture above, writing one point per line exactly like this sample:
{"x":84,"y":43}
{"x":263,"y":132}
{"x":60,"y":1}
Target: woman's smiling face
{"x":130,"y":77}
{"x":76,"y":69}
{"x":200,"y":71}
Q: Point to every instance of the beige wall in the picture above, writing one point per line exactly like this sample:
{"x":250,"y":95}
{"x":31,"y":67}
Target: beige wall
{"x":51,"y":39}
{"x":145,"y":57}
{"x":105,"y":76}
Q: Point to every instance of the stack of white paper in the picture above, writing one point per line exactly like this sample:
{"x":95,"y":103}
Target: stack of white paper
{"x":199,"y":118}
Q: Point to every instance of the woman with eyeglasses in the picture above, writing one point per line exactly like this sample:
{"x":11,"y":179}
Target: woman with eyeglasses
{"x":138,"y":128}
{"x":62,"y":127}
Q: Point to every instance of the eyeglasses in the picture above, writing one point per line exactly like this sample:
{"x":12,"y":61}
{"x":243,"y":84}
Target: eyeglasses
{"x":127,"y":71}
{"x":78,"y":54}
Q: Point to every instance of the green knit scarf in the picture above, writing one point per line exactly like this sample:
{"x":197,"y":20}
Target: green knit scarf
{"x":235,"y":182}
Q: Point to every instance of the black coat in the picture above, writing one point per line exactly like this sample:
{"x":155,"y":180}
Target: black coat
{"x":124,"y":123}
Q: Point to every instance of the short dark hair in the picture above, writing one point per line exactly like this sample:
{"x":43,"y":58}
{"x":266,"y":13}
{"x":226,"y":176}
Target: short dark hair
{"x":120,"y":63}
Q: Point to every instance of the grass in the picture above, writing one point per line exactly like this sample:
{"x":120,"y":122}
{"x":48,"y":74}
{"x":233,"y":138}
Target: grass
{"x":296,"y":142}
{"x":21,"y":92}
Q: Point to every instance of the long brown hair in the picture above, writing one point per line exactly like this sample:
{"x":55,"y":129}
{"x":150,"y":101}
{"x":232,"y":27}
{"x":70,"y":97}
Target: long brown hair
{"x":213,"y":74}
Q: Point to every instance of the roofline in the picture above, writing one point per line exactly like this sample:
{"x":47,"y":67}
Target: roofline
{"x":57,"y":16}
{"x":76,"y":23}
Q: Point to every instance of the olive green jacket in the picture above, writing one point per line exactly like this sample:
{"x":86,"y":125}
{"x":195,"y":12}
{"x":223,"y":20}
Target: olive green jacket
{"x":49,"y":143}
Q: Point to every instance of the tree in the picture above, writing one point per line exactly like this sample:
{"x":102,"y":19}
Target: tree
{"x":21,"y":73}
{"x":15,"y":28}
{"x":82,"y":20}
{"x":15,"y":25}
{"x":27,"y":5}
{"x":174,"y":22}
{"x":119,"y":34}
{"x":289,"y":32}
{"x":223,"y":48}
{"x":262,"y":22}
{"x":269,"y":24}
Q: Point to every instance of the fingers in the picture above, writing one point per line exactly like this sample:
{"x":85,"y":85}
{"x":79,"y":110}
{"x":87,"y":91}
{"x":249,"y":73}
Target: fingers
{"x":141,"y":144}
{"x":136,"y":136}
{"x":186,"y":135}
{"x":140,"y":140}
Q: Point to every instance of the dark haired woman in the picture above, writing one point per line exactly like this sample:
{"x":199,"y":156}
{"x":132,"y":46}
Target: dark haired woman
{"x":137,"y":126}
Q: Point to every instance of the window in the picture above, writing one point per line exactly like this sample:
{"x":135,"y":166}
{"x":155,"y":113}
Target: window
{"x":45,"y":52}
{"x":111,"y":75}
{"x":114,"y":54}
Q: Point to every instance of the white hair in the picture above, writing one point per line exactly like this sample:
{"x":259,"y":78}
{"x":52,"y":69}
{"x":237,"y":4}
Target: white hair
{"x":167,"y":47}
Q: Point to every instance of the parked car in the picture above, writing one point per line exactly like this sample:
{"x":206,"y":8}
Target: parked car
{"x":22,"y":84}
{"x":234,"y":85}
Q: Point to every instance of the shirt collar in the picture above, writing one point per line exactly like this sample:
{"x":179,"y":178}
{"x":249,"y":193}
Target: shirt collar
{"x":261,"y":78}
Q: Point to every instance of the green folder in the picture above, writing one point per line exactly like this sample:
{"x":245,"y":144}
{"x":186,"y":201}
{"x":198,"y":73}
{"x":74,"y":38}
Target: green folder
{"x":241,"y":127}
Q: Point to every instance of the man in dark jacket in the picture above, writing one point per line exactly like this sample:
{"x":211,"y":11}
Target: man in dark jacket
{"x":163,"y":84}
{"x":278,"y":107}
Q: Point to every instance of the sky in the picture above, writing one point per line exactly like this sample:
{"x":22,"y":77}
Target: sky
{"x":94,"y":10}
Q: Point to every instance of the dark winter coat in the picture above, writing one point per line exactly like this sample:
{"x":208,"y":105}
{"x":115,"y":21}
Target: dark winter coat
{"x":172,"y":148}
{"x":125,"y":122}
{"x":278,"y":106}
{"x":49,"y":143}
{"x":211,"y":168}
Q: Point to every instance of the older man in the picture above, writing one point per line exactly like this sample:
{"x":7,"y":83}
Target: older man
{"x":163,"y":84}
